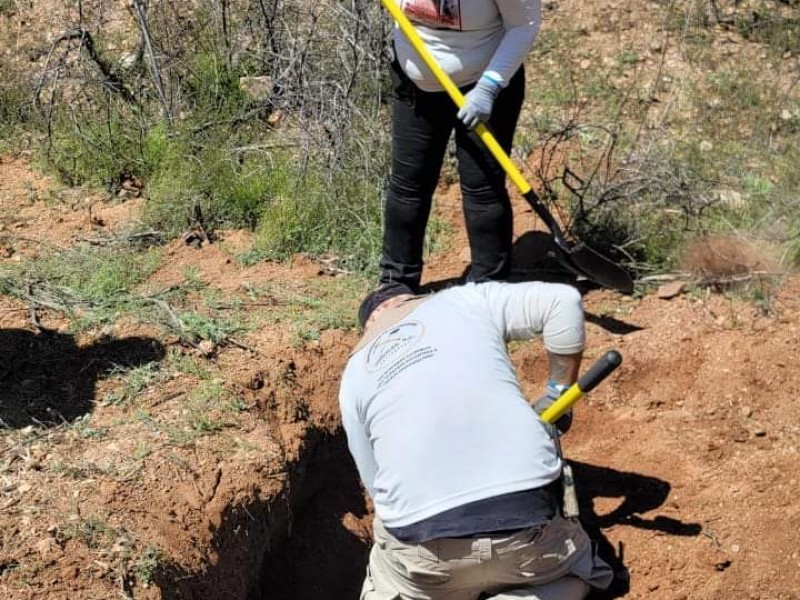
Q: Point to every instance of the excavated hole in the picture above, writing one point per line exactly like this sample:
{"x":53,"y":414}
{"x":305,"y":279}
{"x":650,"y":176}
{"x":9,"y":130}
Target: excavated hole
{"x":324,"y":551}
{"x":310,"y":542}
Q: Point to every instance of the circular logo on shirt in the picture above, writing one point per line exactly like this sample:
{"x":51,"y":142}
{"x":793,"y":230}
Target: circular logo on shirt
{"x":392,"y":343}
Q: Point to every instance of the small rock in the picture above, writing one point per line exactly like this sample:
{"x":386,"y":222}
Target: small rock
{"x":786,"y":114}
{"x":747,"y":412}
{"x":24,"y":488}
{"x":735,"y":548}
{"x":586,"y":64}
{"x":671,"y":289}
{"x":47,"y":546}
{"x":759,"y":432}
{"x":193,"y":238}
{"x":128,"y":60}
{"x":206,"y":348}
{"x":256,"y":381}
{"x":656,"y":46}
{"x":706,"y":146}
{"x":722,"y":565}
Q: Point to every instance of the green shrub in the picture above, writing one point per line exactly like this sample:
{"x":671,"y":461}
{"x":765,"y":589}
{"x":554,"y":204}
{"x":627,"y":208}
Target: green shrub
{"x":15,"y":112}
{"x":771,"y":24}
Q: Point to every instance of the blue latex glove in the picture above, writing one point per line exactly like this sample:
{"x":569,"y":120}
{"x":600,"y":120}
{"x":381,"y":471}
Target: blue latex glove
{"x":479,"y":102}
{"x":553,"y":393}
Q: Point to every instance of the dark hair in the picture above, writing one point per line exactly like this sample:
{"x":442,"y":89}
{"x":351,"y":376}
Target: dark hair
{"x":377,"y":297}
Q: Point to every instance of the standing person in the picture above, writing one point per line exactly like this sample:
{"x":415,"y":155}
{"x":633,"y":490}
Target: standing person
{"x":481,"y":45}
{"x":463,"y":474}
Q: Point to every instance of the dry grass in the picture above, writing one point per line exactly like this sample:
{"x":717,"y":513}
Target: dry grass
{"x":717,"y":258}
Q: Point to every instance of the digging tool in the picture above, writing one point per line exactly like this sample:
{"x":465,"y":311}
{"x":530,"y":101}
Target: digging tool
{"x":579,"y":259}
{"x":601,"y":369}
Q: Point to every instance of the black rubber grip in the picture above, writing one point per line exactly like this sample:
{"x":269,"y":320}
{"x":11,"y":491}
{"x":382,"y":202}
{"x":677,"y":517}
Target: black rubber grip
{"x":604,"y":366}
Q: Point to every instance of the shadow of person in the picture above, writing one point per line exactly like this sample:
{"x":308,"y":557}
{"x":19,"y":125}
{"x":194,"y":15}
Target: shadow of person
{"x":45,"y":378}
{"x":639,"y":494}
{"x":533,"y":259}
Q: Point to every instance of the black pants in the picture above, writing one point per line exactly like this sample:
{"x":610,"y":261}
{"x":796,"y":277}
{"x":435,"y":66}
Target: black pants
{"x":421,"y":126}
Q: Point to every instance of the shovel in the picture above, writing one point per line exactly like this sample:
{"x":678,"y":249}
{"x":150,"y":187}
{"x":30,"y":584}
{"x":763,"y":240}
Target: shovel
{"x":577,"y":258}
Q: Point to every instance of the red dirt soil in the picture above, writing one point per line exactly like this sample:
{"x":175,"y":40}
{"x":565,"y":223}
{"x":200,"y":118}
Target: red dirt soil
{"x":685,"y":458}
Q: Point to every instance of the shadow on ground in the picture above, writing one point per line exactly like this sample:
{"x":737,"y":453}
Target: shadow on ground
{"x":640,"y":494}
{"x":46,"y":379}
{"x":531,"y":261}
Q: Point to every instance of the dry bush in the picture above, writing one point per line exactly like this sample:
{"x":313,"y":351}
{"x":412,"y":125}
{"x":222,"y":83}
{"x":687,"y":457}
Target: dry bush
{"x":165,"y":91}
{"x":726,"y":258}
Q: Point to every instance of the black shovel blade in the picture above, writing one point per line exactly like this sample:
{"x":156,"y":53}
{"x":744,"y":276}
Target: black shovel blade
{"x":579,"y":258}
{"x":582,"y":260}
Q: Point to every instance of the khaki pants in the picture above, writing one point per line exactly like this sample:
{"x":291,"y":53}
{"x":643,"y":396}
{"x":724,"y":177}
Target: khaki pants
{"x":551,"y":562}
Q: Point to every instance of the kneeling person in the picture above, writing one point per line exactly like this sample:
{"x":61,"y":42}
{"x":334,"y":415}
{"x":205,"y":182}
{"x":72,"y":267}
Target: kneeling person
{"x":462,"y":472}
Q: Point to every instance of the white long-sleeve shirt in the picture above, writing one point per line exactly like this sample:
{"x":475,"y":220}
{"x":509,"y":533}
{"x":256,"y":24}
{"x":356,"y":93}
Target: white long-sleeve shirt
{"x":432,"y":408}
{"x":468,"y":38}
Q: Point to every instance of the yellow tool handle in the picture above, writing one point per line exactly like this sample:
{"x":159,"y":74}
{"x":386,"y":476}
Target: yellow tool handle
{"x":602,"y":368}
{"x":563,"y":404}
{"x":444,"y":80}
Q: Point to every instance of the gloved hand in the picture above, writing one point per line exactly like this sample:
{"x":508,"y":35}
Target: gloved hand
{"x":479,"y":102}
{"x":554,"y":391}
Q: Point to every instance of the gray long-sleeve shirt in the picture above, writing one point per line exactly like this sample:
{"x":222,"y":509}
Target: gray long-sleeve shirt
{"x":468,"y":38}
{"x":432,"y":408}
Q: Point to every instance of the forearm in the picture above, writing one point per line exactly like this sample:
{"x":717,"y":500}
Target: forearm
{"x":511,"y":53}
{"x":564,"y":368}
{"x":521,"y":20}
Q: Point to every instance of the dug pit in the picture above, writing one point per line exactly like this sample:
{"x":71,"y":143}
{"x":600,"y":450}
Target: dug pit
{"x":310,"y":540}
{"x":324,"y":554}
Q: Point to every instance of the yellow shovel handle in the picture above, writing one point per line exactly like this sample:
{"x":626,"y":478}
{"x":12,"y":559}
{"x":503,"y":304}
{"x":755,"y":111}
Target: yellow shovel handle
{"x":444,"y":80}
{"x":602,"y":368}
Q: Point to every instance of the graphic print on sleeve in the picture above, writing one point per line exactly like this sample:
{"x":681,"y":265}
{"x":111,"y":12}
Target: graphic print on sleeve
{"x":441,"y":14}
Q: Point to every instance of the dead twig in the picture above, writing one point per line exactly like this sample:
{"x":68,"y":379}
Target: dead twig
{"x":35,"y":240}
{"x":133,"y":237}
{"x":29,"y":440}
{"x":152,"y":63}
{"x":34,"y":317}
{"x":86,"y":41}
{"x":661,"y":277}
